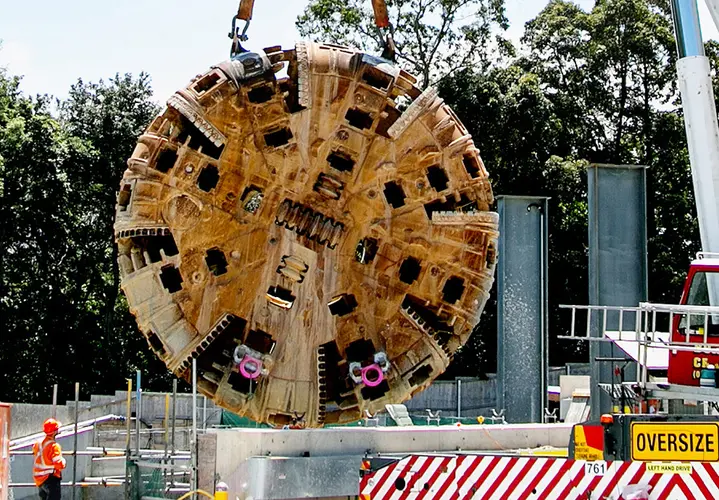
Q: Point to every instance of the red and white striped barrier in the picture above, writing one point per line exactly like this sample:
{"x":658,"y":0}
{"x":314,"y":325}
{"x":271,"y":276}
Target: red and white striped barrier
{"x":419,"y":477}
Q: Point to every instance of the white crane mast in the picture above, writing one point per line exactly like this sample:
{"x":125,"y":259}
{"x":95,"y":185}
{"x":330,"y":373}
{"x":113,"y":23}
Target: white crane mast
{"x":700,"y":118}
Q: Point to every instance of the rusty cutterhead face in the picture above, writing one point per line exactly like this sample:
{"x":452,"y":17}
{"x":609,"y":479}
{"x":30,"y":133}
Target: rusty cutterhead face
{"x":321,"y":242}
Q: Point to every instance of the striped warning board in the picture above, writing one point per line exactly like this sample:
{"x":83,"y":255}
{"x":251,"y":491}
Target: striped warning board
{"x":419,"y":477}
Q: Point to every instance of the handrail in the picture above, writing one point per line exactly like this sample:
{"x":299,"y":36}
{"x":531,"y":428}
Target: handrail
{"x":65,"y":430}
{"x":607,"y":324}
{"x":652,"y":306}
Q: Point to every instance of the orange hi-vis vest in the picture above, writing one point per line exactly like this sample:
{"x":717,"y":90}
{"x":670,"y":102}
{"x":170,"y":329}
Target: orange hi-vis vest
{"x":48,"y":460}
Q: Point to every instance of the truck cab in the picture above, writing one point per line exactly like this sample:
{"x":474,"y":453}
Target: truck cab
{"x":701,"y":288}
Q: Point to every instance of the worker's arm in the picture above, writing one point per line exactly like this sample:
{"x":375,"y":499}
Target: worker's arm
{"x":56,"y":457}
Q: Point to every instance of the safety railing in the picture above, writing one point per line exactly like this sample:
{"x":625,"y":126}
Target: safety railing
{"x":649,"y":325}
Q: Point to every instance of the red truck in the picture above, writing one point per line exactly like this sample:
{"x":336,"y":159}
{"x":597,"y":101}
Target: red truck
{"x":701,"y":284}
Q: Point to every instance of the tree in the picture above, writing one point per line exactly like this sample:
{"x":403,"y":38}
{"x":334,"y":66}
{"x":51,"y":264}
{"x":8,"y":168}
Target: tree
{"x":596,"y":86}
{"x":613,"y":71}
{"x":110,"y":117}
{"x":434,"y":38}
{"x":608,"y":70}
{"x":522,"y":149}
{"x":36,"y":244}
{"x":62,"y":316}
{"x":674,"y":239}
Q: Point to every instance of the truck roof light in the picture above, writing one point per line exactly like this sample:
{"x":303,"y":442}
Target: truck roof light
{"x":607,"y":419}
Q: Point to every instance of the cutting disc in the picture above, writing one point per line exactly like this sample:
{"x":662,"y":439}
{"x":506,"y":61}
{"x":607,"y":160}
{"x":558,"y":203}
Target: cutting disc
{"x":312,"y":228}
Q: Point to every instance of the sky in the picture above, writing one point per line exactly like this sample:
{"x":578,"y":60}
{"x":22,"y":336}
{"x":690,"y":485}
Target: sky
{"x":52,"y":44}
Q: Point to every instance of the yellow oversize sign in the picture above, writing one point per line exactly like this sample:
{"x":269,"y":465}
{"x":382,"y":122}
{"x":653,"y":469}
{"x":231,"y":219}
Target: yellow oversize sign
{"x":675,"y":441}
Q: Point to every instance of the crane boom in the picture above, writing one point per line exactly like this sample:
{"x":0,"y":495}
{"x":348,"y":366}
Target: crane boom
{"x":700,"y":119}
{"x":713,"y":6}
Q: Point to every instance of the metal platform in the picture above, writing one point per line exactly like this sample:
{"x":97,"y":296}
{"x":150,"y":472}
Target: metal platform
{"x":644,"y":328}
{"x":654,"y":390}
{"x":673,"y":391}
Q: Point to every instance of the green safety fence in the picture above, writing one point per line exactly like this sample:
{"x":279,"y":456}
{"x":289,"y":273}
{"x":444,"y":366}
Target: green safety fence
{"x":229,"y":419}
{"x":148,"y":479}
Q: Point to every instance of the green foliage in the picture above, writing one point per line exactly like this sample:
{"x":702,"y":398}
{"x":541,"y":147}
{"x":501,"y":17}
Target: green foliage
{"x":607,"y":70}
{"x":522,"y":151}
{"x":36,"y":242}
{"x":62,"y":317}
{"x":604,"y":91}
{"x":597,"y":86}
{"x":433,"y":37}
{"x":611,"y":74}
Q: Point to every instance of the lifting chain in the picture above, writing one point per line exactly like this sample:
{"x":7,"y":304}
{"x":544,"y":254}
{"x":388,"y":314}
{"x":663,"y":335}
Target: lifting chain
{"x":381,"y":19}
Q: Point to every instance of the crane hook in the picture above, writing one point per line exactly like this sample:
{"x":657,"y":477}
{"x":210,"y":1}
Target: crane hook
{"x":238,"y":36}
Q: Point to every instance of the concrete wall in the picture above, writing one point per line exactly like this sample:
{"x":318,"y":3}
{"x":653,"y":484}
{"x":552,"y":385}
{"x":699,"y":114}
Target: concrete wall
{"x":235,"y":446}
{"x":479,"y":397}
{"x":27,"y":418}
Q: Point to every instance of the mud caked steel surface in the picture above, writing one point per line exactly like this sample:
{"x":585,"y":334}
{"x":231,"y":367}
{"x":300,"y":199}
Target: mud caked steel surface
{"x":320,"y":242}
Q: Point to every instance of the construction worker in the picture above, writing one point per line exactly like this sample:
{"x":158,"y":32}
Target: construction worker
{"x":48,"y":463}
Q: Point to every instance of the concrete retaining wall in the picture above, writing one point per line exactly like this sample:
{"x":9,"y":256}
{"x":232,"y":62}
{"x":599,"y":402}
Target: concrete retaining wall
{"x":27,"y":418}
{"x":235,"y":446}
{"x":478,"y":397}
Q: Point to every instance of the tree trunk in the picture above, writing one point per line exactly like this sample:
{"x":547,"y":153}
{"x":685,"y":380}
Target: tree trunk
{"x":617,"y":156}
